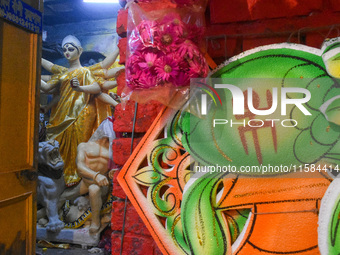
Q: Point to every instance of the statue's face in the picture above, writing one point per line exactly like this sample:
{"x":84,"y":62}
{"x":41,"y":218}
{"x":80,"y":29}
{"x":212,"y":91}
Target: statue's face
{"x":70,"y":52}
{"x":49,"y":154}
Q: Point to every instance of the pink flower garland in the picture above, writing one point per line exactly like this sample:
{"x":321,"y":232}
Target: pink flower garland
{"x":164,"y":52}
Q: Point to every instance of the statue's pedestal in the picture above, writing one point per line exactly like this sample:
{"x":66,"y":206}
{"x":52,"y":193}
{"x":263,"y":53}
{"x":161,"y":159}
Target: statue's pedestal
{"x":79,"y":236}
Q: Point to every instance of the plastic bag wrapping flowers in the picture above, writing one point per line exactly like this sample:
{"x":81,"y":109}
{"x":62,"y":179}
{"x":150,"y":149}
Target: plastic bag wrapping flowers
{"x":164,"y":51}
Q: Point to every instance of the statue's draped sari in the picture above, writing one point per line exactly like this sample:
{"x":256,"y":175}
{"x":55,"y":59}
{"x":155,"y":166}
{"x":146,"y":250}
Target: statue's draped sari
{"x":76,"y":116}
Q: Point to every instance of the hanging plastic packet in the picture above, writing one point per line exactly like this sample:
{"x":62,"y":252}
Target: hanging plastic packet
{"x":164,"y":53}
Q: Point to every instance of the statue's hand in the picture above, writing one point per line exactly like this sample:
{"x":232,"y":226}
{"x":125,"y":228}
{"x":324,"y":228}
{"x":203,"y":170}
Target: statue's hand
{"x":112,"y":172}
{"x":115,"y":97}
{"x":101,"y":180}
{"x":76,"y":85}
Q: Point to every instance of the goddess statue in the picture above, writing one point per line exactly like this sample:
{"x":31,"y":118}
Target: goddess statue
{"x":80,"y":103}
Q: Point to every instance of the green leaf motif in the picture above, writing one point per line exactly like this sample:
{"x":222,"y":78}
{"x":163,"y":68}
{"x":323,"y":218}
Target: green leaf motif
{"x":203,"y":224}
{"x":147,"y":177}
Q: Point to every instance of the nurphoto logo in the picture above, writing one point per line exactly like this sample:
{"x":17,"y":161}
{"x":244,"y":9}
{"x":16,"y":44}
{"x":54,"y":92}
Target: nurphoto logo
{"x":239,"y":100}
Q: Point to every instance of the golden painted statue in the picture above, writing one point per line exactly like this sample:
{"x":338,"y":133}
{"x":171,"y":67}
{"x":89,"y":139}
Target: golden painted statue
{"x":80,"y":103}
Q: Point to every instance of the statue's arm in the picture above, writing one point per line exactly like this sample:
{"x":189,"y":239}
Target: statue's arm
{"x":107,"y":99}
{"x":46,"y":77}
{"x":93,"y":88}
{"x":111,"y":73}
{"x":48,"y":86}
{"x":109,"y":60}
{"x":47,"y":64}
{"x":54,"y":101}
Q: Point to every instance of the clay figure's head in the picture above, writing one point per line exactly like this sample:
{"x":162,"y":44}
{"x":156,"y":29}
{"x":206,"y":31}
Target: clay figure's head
{"x":49,"y":155}
{"x":82,"y":203}
{"x":71,"y":48}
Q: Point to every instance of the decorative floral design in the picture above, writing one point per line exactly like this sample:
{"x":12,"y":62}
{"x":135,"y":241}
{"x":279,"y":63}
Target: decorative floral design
{"x":266,"y":203}
{"x":313,"y":139}
{"x":163,"y":51}
{"x":157,"y":178}
{"x":221,"y":212}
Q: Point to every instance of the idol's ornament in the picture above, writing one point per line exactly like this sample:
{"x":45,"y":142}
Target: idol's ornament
{"x":284,"y":161}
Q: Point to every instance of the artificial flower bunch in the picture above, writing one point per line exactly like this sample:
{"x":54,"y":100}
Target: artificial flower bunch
{"x":163,"y":52}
